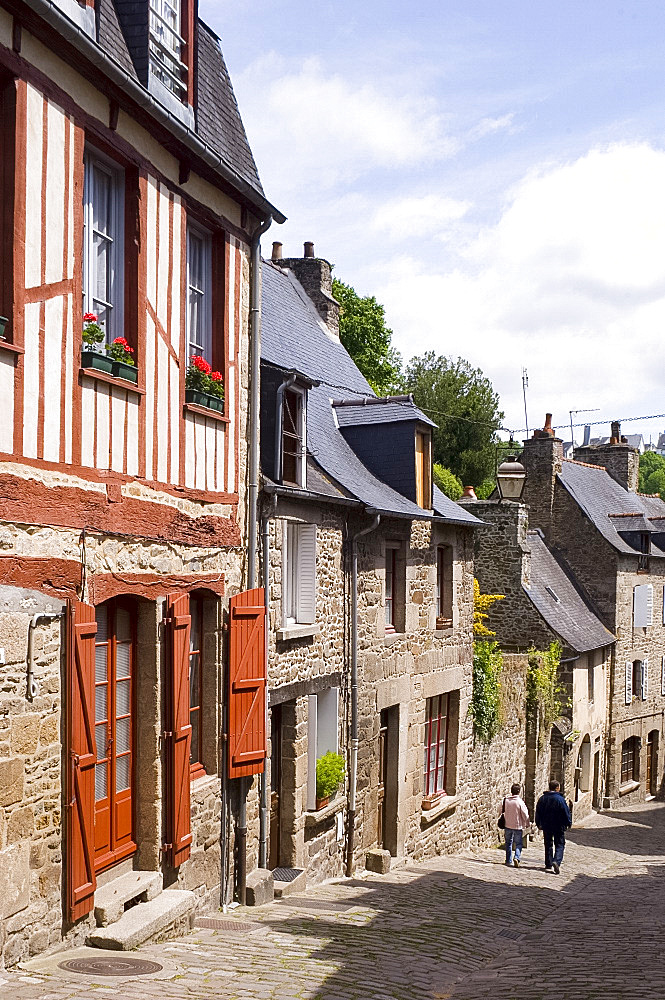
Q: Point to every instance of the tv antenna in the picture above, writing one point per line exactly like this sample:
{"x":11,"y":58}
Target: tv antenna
{"x":595,"y":409}
{"x":525,"y":386}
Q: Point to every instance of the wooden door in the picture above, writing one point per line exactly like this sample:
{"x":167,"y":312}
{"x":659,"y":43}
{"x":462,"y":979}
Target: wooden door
{"x":275,"y":785}
{"x":596,"y":780}
{"x":383,"y":759}
{"x":651,"y":764}
{"x":114,"y":736}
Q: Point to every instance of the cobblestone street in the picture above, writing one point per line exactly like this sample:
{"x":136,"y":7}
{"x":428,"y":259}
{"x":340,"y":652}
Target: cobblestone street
{"x":455,"y":928}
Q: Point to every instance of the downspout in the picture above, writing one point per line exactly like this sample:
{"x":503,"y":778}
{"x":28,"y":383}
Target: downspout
{"x":263,"y":777}
{"x":279,"y":410}
{"x":353,"y":768}
{"x":254,"y":375}
{"x":30,"y":683}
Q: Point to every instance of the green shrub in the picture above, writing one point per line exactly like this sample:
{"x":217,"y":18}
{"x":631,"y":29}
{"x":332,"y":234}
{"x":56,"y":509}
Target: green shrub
{"x":329,"y":774}
{"x":485,"y":707}
{"x":544,"y":692}
{"x":447,"y":482}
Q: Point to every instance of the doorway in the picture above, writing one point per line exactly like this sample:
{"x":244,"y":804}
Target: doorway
{"x":388,"y":753}
{"x":652,"y":762}
{"x":596,"y":780}
{"x":275,"y":785}
{"x":115,"y":656}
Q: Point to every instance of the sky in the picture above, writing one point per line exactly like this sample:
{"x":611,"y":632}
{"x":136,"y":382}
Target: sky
{"x":492,"y":171}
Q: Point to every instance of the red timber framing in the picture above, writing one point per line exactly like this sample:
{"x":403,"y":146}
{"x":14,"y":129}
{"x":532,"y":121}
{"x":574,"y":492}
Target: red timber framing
{"x":80,"y":760}
{"x":247,"y":684}
{"x":178,"y":732}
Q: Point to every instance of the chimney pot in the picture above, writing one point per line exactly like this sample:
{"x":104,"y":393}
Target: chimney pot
{"x":616,"y":431}
{"x":277,"y":251}
{"x":469,"y":493}
{"x":309,"y":249}
{"x":548,"y":430}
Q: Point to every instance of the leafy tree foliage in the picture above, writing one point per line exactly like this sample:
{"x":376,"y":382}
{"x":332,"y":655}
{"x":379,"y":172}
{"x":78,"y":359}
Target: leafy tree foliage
{"x":447,"y":390}
{"x":447,"y":482}
{"x":652,"y":473}
{"x":363,"y":332}
{"x":485,"y":706}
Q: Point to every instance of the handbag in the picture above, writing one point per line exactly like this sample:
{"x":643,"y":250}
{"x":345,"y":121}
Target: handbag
{"x":501,"y":822}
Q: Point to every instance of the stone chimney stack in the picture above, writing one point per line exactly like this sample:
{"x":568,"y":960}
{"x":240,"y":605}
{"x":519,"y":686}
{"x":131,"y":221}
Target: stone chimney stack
{"x":543,"y":460}
{"x":621,"y":461}
{"x":315,"y":275}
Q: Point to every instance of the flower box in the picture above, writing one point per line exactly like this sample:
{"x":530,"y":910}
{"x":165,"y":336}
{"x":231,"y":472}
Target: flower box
{"x":123,"y":370}
{"x":430,"y":801}
{"x":204,"y":399}
{"x":322,"y":803}
{"x":93,"y":359}
{"x":3,"y":323}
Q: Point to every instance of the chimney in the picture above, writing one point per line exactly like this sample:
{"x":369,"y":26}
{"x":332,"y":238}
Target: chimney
{"x":620,"y":460}
{"x":469,"y":493}
{"x":587,"y":434}
{"x":315,"y":276}
{"x":543,"y":460}
{"x":277,"y":251}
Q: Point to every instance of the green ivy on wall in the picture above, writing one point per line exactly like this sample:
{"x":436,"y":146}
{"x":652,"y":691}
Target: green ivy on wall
{"x":544,"y":693}
{"x":485,"y":707}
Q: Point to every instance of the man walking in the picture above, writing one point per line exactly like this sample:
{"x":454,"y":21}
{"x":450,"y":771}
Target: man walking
{"x":516,"y":815}
{"x":553,"y":818}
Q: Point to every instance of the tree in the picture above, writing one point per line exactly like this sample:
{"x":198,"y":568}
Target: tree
{"x":363,"y":332}
{"x":447,"y":482}
{"x":463,"y":403}
{"x":652,"y":473}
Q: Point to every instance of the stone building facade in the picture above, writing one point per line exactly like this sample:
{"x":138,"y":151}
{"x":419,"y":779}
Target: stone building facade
{"x":122,"y":500}
{"x":611,"y":538}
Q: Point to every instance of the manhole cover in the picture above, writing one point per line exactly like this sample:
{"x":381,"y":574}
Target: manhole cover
{"x":511,"y":935}
{"x":286,"y":874}
{"x":116,"y":966}
{"x":219,"y":924}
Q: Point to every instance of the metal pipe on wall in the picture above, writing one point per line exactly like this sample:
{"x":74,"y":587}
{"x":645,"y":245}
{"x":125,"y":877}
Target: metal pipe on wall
{"x":30,"y":683}
{"x":353,"y":763}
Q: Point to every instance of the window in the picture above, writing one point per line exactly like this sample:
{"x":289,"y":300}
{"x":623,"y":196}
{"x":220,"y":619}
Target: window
{"x":391,"y":558}
{"x":423,"y":473}
{"x":199,"y":293}
{"x":630,"y":759}
{"x":167,"y":45}
{"x":645,"y":546}
{"x":395,"y":588}
{"x":103,"y":254}
{"x":444,"y":586}
{"x":7,"y":121}
{"x":591,"y":677}
{"x":322,"y":734}
{"x":642,"y":606}
{"x":299,"y":574}
{"x":293,"y":437}
{"x":436,"y":738}
{"x":196,"y":685}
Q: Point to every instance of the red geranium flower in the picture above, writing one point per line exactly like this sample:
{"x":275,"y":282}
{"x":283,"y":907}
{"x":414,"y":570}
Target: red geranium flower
{"x":90,"y":318}
{"x":201,"y":363}
{"x":121,"y":342}
{"x":216,"y":376}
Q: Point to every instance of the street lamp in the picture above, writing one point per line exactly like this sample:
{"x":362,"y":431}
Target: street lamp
{"x":510,"y":478}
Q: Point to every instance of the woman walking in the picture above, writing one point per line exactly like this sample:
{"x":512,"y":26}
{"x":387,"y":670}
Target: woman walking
{"x":516,"y":816}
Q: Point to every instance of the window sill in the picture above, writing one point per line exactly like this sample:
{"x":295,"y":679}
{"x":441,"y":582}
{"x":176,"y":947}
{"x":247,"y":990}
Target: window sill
{"x":442,"y":633}
{"x":12,"y":348}
{"x":630,"y":786}
{"x":201,"y":782}
{"x":313,"y":817}
{"x":447,"y":804}
{"x":205,"y":411}
{"x":391,"y":637}
{"x":297,"y":632}
{"x":119,"y":383}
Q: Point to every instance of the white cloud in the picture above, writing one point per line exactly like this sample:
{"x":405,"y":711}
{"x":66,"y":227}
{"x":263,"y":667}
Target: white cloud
{"x":570,"y":283}
{"x":419,"y":217}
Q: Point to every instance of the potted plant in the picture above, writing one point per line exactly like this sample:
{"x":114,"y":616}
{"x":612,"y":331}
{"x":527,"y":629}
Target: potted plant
{"x":3,"y":323}
{"x":203,"y":386}
{"x":91,"y":336}
{"x":329,"y":776}
{"x":123,"y":363}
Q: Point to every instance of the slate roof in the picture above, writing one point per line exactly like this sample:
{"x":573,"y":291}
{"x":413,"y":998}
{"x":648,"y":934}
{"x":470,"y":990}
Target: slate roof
{"x":379,"y":410}
{"x":112,"y":39}
{"x":599,"y":496}
{"x":633,"y":440}
{"x":293,"y":336}
{"x":561,"y":606}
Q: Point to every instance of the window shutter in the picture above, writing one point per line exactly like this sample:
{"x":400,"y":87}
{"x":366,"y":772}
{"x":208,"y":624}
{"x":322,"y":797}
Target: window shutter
{"x":643,"y":606}
{"x":649,"y":603}
{"x":306,"y":582}
{"x":629,"y":682}
{"x":247,"y":684}
{"x":81,"y":757}
{"x":645,"y":679}
{"x":178,"y":732}
{"x":662,"y":676}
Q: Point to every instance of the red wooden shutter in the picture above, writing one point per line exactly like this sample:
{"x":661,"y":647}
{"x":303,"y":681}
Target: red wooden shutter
{"x":247,"y":684}
{"x":178,"y":733}
{"x":81,"y":757}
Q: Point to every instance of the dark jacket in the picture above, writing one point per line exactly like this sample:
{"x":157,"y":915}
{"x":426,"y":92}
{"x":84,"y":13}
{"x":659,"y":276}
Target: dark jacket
{"x":552,"y":813}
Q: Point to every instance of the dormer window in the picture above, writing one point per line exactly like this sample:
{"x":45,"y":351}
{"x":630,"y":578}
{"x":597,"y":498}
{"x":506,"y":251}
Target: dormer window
{"x":645,"y":547}
{"x":167,"y":46}
{"x":293,"y":437}
{"x":423,"y":469}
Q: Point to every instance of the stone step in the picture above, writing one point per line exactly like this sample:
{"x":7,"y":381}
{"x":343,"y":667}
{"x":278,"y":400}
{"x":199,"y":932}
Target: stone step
{"x":171,"y":912}
{"x":298,"y":884}
{"x":110,"y":899}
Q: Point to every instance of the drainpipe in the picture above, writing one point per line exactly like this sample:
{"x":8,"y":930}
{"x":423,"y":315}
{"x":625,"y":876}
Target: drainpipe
{"x":254,"y":375}
{"x":279,"y":409}
{"x":30,"y":683}
{"x":263,"y":778}
{"x":353,"y":769}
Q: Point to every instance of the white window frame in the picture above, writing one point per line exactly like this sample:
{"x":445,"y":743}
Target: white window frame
{"x":203,"y":343}
{"x":298,"y":574}
{"x":115,"y":327}
{"x":301,"y":431}
{"x":166,"y":45}
{"x":322,"y":734}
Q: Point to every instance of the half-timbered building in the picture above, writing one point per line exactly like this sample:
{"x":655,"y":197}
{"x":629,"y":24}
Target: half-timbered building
{"x":130,"y":206}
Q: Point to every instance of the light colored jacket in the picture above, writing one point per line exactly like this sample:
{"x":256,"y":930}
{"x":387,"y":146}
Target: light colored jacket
{"x":516,"y":813}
